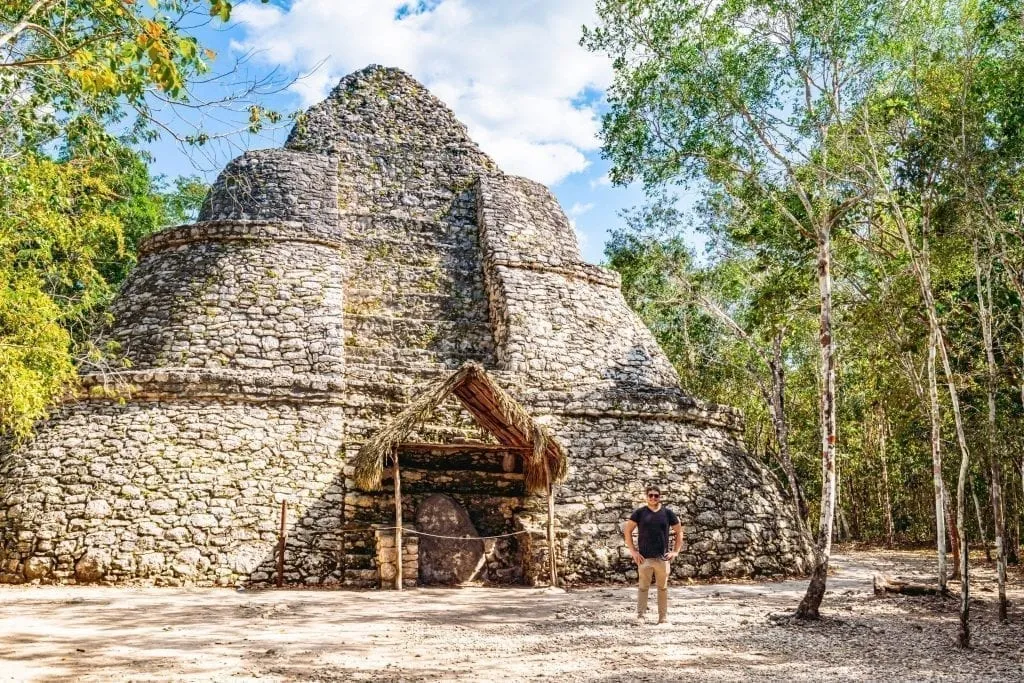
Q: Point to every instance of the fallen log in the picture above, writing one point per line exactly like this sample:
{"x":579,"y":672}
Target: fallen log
{"x":890,"y":584}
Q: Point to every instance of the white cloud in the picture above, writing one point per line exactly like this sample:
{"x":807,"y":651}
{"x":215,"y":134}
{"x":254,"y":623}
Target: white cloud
{"x":580,"y":209}
{"x":511,"y":71}
{"x":582,"y":239}
{"x":603,"y":181}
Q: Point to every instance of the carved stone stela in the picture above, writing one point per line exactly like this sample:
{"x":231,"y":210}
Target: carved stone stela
{"x":323,"y":286}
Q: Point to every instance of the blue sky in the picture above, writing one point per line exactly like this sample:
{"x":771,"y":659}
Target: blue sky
{"x":512,"y":71}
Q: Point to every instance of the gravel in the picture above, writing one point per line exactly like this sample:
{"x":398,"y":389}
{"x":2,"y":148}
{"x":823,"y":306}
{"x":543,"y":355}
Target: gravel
{"x":719,"y":632}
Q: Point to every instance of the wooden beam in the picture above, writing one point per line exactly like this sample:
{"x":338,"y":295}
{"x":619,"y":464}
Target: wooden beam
{"x":422,"y":446}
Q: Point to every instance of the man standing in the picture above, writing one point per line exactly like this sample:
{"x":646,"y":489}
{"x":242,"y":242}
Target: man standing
{"x":653,"y":521}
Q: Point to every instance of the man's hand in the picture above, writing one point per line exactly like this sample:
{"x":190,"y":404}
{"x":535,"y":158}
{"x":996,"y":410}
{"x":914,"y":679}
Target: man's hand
{"x":637,"y":557}
{"x":672,"y":555}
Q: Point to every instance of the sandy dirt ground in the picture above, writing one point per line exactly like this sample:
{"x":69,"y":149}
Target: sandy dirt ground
{"x":719,"y":632}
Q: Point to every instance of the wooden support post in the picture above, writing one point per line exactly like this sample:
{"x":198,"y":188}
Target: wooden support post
{"x":281,"y":543}
{"x":551,"y":534}
{"x":398,"y":521}
{"x":552,"y":569}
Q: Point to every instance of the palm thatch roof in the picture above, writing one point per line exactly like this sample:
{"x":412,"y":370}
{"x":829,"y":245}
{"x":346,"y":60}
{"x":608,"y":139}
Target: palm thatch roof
{"x":492,"y":407}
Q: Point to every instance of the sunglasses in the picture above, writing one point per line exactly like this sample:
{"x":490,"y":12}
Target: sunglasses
{"x":654,"y":495}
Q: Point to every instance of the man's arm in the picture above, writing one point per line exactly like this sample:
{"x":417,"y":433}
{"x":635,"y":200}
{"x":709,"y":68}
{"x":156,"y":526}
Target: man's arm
{"x":678,"y":547}
{"x":627,"y":535}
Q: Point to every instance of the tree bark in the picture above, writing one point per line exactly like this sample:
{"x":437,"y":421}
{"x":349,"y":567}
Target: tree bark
{"x":981,"y":525}
{"x":777,"y":403}
{"x":399,"y":579}
{"x":983,"y":283}
{"x":919,"y":262}
{"x":939,"y":487}
{"x":883,"y":435}
{"x":963,"y":636}
{"x":811,"y":603}
{"x":954,"y":534}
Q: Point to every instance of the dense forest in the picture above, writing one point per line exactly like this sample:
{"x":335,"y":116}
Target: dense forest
{"x":859,"y":171}
{"x":860,"y":188}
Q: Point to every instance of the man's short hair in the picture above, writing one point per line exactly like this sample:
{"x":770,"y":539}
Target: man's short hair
{"x":651,"y":488}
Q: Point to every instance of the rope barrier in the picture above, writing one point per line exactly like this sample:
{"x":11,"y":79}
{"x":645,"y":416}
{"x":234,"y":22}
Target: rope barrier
{"x":407,"y":530}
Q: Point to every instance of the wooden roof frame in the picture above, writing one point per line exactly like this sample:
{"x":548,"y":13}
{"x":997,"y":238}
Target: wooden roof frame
{"x":544,"y":459}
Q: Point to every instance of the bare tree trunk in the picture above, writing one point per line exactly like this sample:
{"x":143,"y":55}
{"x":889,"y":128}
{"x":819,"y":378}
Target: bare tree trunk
{"x":774,"y":394}
{"x":981,"y":525}
{"x":940,"y":503}
{"x":399,"y":579}
{"x":984,"y":289}
{"x":954,"y":534}
{"x":1013,"y":525}
{"x":919,"y":261}
{"x":963,"y":636}
{"x":883,"y":435}
{"x":777,"y":403}
{"x":809,"y":606}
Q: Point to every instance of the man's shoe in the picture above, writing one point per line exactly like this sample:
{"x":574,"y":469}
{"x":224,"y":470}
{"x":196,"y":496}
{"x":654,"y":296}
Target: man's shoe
{"x":664,"y":622}
{"x":641,"y":620}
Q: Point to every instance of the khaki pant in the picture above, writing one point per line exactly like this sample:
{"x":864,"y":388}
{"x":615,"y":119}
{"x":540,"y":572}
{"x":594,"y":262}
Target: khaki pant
{"x":658,"y":570}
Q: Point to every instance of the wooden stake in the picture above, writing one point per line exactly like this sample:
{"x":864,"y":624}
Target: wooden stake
{"x":551,"y":535}
{"x":398,"y":521}
{"x":280,"y":544}
{"x":552,"y":569}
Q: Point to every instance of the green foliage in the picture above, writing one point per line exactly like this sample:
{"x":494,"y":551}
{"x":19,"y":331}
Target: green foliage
{"x":80,"y":67}
{"x":65,"y":232}
{"x":799,"y":118}
{"x":79,"y":81}
{"x":181,"y":199}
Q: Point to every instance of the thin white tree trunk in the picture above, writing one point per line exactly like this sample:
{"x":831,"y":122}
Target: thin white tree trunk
{"x":26,"y":21}
{"x":940,"y":507}
{"x":983,"y":283}
{"x":883,"y":435}
{"x":981,"y":525}
{"x":809,"y":606}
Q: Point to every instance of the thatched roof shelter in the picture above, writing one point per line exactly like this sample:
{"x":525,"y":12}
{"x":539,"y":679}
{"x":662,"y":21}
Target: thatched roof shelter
{"x":491,"y":406}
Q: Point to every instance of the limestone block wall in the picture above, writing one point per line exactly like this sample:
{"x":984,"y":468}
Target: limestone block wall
{"x":257,"y":284}
{"x":387,"y":558}
{"x":405,"y":167}
{"x":556,"y":319}
{"x":399,"y":151}
{"x":736,"y":521}
{"x":235,"y":296}
{"x":277,"y":185}
{"x":186,"y":492}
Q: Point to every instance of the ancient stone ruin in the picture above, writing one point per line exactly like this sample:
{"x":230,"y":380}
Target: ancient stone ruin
{"x":325,"y":286}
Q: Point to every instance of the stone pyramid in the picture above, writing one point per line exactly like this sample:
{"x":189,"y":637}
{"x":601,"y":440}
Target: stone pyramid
{"x":323,"y":287}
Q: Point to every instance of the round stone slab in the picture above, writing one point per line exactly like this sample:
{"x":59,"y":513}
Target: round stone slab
{"x":447,"y":561}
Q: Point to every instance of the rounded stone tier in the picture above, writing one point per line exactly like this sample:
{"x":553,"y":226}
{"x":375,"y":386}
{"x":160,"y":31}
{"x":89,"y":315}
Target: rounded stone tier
{"x":325,"y":289}
{"x":239,"y":295}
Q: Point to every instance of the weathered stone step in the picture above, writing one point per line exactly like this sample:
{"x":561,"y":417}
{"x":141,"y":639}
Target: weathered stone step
{"x":444,"y":336}
{"x":396,"y":200}
{"x":367,"y":362}
{"x":464,"y":280}
{"x":409,"y":229}
{"x":415,"y":243}
{"x":377,"y":251}
{"x":411,"y":304}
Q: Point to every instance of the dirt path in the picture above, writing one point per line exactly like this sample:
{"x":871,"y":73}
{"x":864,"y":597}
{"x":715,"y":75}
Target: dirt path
{"x":720,"y":632}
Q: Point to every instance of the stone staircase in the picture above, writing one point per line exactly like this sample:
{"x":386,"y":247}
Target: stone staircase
{"x":415,"y":294}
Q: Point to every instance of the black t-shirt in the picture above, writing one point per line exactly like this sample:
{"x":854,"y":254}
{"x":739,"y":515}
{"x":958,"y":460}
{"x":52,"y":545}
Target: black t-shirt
{"x":653,"y":527}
